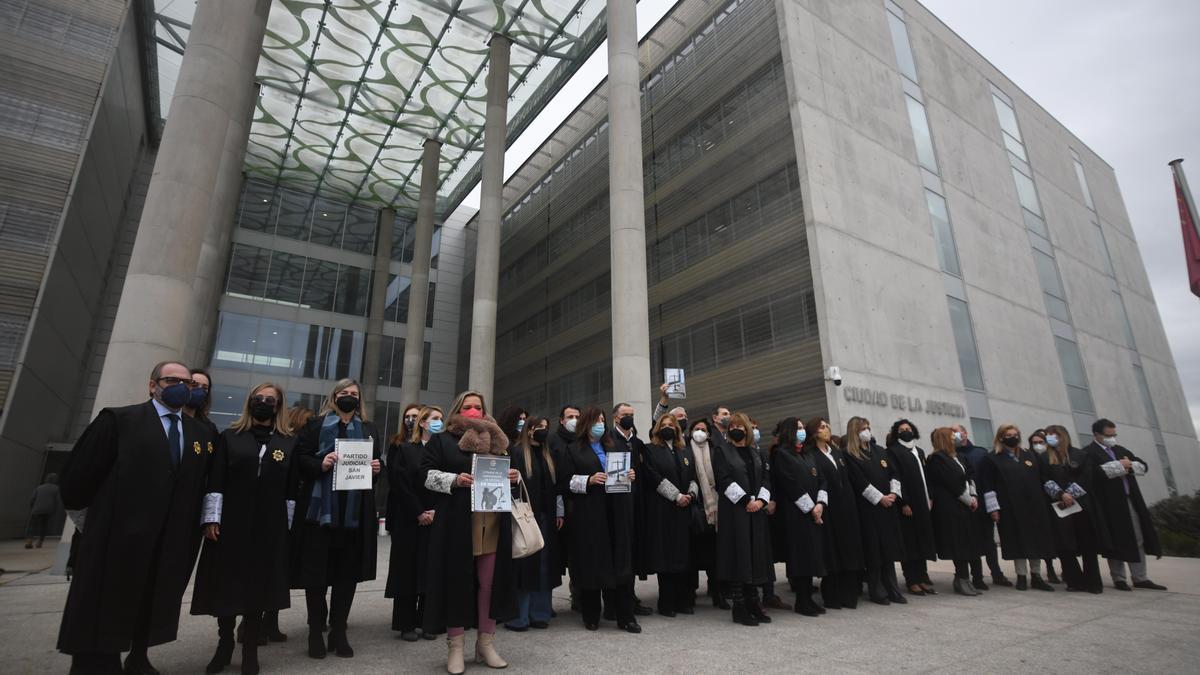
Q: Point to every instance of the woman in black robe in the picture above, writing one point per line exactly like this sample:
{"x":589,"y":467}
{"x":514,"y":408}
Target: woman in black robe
{"x":703,"y":545}
{"x":538,"y":575}
{"x":842,"y":543}
{"x":1010,"y":480}
{"x":411,"y":512}
{"x":248,"y":511}
{"x":469,"y":580}
{"x":875,"y":481}
{"x":1066,"y":473}
{"x":668,"y":469}
{"x":916,"y":526}
{"x":743,"y":534}
{"x":801,"y":496}
{"x":334,"y":542}
{"x":601,"y":532}
{"x":953,"y":496}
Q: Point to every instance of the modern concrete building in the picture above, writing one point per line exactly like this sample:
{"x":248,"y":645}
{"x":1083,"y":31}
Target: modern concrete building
{"x":822,"y":184}
{"x":844,"y":185}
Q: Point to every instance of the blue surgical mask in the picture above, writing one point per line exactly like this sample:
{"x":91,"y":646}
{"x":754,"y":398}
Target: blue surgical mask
{"x":175,"y":396}
{"x":757,"y":436}
{"x":520,"y":426}
{"x":436,"y":426}
{"x":196,"y":398}
{"x":1052,"y":440}
{"x":597,"y":429}
{"x":801,"y":434}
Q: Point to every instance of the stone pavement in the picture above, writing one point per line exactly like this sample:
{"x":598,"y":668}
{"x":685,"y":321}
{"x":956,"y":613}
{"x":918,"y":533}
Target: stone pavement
{"x":1003,"y":630}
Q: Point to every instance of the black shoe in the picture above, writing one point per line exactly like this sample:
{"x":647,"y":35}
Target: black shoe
{"x":720,"y":602}
{"x":807,"y":607}
{"x":642,"y":610}
{"x":742,"y":615}
{"x":338,"y":644}
{"x":686,"y":610}
{"x":270,"y":627}
{"x":630,"y":627}
{"x":1149,"y":585}
{"x":1022,"y":583}
{"x":250,"y":659}
{"x":139,"y":665}
{"x":1096,"y":590}
{"x":316,"y":643}
{"x":1052,"y":576}
{"x":667,"y":613}
{"x":540,"y":625}
{"x":1000,"y":580}
{"x":929,"y":589}
{"x":428,"y":636}
{"x":411,"y":635}
{"x":980,"y":584}
{"x":221,"y":658}
{"x":897,"y":598}
{"x":963,"y":587}
{"x":916,"y":589}
{"x":756,"y":610}
{"x":591,"y":626}
{"x":1121,"y":586}
{"x":516,"y":629}
{"x":880,"y":600}
{"x":1075,"y":589}
{"x":1040,"y":584}
{"x":241,"y":635}
{"x":776,"y":602}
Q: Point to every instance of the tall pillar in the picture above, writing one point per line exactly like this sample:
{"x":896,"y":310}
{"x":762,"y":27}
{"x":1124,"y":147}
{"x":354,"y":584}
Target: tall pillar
{"x":482,"y":373}
{"x":418,"y":290}
{"x":627,"y":222}
{"x":373,"y":349}
{"x":152,"y":322}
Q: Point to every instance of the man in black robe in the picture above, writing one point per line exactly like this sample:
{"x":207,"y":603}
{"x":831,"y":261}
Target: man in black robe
{"x":1115,"y":489}
{"x":985,"y":530}
{"x":139,"y":472}
{"x":625,"y":439}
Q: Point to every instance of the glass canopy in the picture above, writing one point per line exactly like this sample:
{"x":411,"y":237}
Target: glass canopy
{"x":350,"y":89}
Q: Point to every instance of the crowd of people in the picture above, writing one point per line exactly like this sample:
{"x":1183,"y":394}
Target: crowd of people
{"x":152,"y":486}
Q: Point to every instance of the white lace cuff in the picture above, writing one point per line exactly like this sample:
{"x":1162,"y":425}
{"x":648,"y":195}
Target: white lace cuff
{"x":560,"y":509}
{"x":1052,"y":489}
{"x":966,"y":496}
{"x":971,"y":488}
{"x":667,"y":490}
{"x":1113,"y":469}
{"x":1139,"y":469}
{"x":291,"y":511}
{"x":735,"y":493}
{"x":822,"y":497}
{"x":579,"y":484}
{"x":764,"y":494}
{"x":693,"y":489}
{"x":990,"y":501}
{"x":895,"y":488}
{"x":210,"y":513}
{"x":440,"y":481}
{"x":805,"y":503}
{"x":872,"y":494}
{"x":1076,"y":490}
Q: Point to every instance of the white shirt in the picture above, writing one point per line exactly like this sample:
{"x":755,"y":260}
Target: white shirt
{"x":163,"y":411}
{"x":829,"y":456}
{"x":916,"y":453}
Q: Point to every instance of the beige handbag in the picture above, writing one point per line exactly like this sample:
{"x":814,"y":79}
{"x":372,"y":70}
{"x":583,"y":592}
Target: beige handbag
{"x":526,"y":535}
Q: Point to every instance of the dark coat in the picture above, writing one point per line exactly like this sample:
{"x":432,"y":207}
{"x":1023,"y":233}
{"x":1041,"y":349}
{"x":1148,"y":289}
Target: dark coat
{"x":953,"y":524}
{"x":843,"y":538}
{"x":1024,"y":520}
{"x":407,"y":499}
{"x":1109,"y":493}
{"x":559,"y":442}
{"x":795,"y":475}
{"x":983,"y":530}
{"x":1080,"y":533}
{"x":310,"y":542}
{"x":916,"y":530}
{"x":641,"y":495}
{"x":600,"y":540}
{"x":246,"y":569}
{"x":743,"y":538}
{"x":543,"y":493}
{"x":668,"y":525}
{"x":142,"y":527}
{"x":450,"y":588}
{"x":703,"y":544}
{"x":880,"y":525}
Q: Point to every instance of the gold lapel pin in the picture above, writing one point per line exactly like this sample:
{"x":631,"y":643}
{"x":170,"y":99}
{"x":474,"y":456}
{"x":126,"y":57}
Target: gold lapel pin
{"x":883,"y":463}
{"x":277,"y":455}
{"x":196,"y":447}
{"x":210,"y":447}
{"x":814,"y":471}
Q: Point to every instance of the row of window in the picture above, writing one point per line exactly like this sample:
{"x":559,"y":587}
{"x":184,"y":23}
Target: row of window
{"x":588,"y":300}
{"x":688,"y":47}
{"x":292,"y":279}
{"x":391,"y":362}
{"x":306,"y":217}
{"x":286,"y":348}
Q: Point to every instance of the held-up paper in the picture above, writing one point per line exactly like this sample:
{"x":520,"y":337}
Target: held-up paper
{"x":617,"y":478}
{"x":352,"y":471}
{"x":676,"y":388}
{"x":1064,"y":511}
{"x":490,"y":492}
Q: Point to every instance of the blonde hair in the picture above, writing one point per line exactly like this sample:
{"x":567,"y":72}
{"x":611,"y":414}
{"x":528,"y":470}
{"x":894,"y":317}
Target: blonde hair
{"x":456,"y":408}
{"x":526,"y":447}
{"x":282,"y":421}
{"x":668,"y":420}
{"x":299,"y":416}
{"x":341,"y":385}
{"x":424,"y":414}
{"x":1061,"y":454}
{"x":942,"y":439}
{"x":998,"y":446}
{"x":854,"y":444}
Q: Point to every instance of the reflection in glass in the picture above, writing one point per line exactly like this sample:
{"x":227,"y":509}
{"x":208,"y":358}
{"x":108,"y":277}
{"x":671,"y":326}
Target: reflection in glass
{"x":328,"y":217}
{"x":293,"y":215}
{"x":320,"y":283}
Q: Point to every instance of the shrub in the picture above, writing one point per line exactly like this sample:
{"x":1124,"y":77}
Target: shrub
{"x":1177,"y":520}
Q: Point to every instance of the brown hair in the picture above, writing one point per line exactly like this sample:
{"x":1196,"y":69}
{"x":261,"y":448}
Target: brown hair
{"x":942,"y":439}
{"x":341,"y":385}
{"x":525,"y":446}
{"x":743,"y":420}
{"x":1061,"y":454}
{"x":583,"y":428}
{"x":282,"y":421}
{"x":299,"y":416}
{"x":854,"y":444}
{"x":424,"y":414}
{"x":668,"y":420}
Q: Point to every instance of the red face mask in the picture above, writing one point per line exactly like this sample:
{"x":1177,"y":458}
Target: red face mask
{"x":473,"y":413}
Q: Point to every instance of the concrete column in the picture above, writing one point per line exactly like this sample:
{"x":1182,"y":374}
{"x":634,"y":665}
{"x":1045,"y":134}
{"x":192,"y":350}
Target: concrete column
{"x":154,"y":318}
{"x":373,"y":348}
{"x":482,"y":373}
{"x":418,"y":291}
{"x":627,"y":222}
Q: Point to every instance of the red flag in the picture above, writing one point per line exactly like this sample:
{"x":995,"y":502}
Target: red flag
{"x":1191,"y":237}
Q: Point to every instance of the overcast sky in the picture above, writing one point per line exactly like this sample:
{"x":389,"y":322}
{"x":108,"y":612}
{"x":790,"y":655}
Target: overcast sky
{"x":1121,"y":75}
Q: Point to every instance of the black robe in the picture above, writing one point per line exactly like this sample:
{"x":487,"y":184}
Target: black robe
{"x":842,"y":537}
{"x":310,"y":542}
{"x":953,"y":524}
{"x":743,"y":538}
{"x":794,"y":475}
{"x":703,"y":544}
{"x":407,"y":499}
{"x":559,"y":442}
{"x":668,"y":525}
{"x":880,"y":525}
{"x":543,"y":493}
{"x":450,"y":589}
{"x":641,"y":495}
{"x":1024,"y":521}
{"x":916,"y":530}
{"x":246,"y":569}
{"x":1109,"y":493}
{"x":600,"y":541}
{"x":142,"y":529}
{"x":1083,"y":533}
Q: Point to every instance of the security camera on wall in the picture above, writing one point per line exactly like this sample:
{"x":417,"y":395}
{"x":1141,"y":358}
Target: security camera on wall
{"x":834,"y":374}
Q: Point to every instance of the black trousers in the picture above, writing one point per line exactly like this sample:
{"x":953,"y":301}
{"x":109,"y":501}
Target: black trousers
{"x":1087,"y":578}
{"x":340,"y":599}
{"x":915,"y":571}
{"x":987,"y":534}
{"x":962,"y":569}
{"x":840,"y":589}
{"x":408,"y":611}
{"x":674,"y":591}
{"x":37,"y":526}
{"x":619,"y":598}
{"x":95,"y":664}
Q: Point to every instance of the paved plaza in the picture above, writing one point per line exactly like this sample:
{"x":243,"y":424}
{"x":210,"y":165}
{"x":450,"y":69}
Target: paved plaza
{"x":1004,"y":630}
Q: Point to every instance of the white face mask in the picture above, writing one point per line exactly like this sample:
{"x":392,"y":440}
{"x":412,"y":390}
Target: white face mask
{"x":1109,"y":441}
{"x":570,"y":425}
{"x":1039,"y":447}
{"x":1052,"y":441}
{"x":699,"y":436}
{"x":958,"y":439}
{"x":864,"y":435}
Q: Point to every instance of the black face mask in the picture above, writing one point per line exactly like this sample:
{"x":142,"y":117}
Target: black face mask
{"x":626,"y":422}
{"x":906,"y":436}
{"x":409,"y":422}
{"x":346,"y":404}
{"x":1011,"y":442}
{"x":261,"y":411}
{"x":539,"y":436}
{"x":683,"y":423}
{"x":667,"y":434}
{"x":737,"y":435}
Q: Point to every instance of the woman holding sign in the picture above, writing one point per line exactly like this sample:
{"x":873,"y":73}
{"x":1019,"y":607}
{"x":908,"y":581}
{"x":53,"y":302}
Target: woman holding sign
{"x":670,"y":470}
{"x":469,"y":579}
{"x":334,"y":543}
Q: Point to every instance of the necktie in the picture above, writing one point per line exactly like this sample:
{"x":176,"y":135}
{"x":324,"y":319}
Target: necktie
{"x":173,"y":439}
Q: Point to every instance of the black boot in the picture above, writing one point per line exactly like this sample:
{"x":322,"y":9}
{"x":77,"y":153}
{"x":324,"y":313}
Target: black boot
{"x":338,"y":644}
{"x":875,"y":590}
{"x":316,"y":642}
{"x":241,"y":634}
{"x":270,"y":627}
{"x":1037,"y":582}
{"x":891,"y":585}
{"x":224,"y":653}
{"x":1022,"y":583}
{"x":252,"y":625}
{"x":741,"y":612}
{"x":754,"y":605}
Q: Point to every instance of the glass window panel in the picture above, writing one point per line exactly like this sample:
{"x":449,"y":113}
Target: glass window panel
{"x":1026,"y":192}
{"x":1128,"y":329}
{"x":921,"y":134}
{"x":327,"y":220}
{"x":248,"y":267}
{"x":226,"y":405}
{"x":403,"y":234}
{"x":704,"y":348}
{"x":964,"y":341}
{"x":711,"y":130}
{"x":729,"y":340}
{"x":756,"y":327}
{"x":234,"y":346}
{"x":1056,"y":308}
{"x":787,"y":319}
{"x":720,"y":232}
{"x":425,"y":351}
{"x":1083,"y":184}
{"x":1072,"y":363}
{"x":1144,"y":389}
{"x":904,"y":55}
{"x":943,"y":235}
{"x":258,"y":208}
{"x":286,"y":277}
{"x":1014,"y":146}
{"x":435,"y":247}
{"x":396,"y":298}
{"x":1080,"y":399}
{"x":1035,"y":223}
{"x":981,"y":432}
{"x":429,"y":308}
{"x":276,"y":350}
{"x":1105,"y":258}
{"x":359,"y":233}
{"x":1048,"y":274}
{"x":773,"y":188}
{"x":320,"y":282}
{"x":293,"y":216}
{"x":745,"y":209}
{"x":1008,"y":119}
{"x":353,"y":290}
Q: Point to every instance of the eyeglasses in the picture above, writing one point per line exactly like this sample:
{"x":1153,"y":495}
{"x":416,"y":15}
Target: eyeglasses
{"x":269,"y":400}
{"x":172,"y":381}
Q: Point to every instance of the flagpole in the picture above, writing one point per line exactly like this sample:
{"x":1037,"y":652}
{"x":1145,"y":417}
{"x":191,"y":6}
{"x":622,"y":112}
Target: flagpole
{"x":1177,"y":168}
